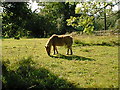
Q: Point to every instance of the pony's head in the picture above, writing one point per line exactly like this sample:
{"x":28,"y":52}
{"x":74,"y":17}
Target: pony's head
{"x":48,"y":48}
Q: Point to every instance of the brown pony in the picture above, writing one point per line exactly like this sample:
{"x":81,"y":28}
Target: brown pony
{"x":59,"y":40}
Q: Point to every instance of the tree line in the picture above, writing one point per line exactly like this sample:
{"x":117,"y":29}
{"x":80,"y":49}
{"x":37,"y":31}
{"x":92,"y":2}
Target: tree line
{"x":18,"y":20}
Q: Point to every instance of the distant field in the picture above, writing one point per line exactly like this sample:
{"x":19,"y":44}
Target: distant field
{"x":93,"y":65}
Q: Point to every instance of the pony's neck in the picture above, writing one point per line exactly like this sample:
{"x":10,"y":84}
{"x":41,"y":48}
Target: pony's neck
{"x":49,"y":43}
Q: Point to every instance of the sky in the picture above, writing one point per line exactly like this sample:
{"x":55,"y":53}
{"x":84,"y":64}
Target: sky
{"x":34,"y":5}
{"x":115,"y":8}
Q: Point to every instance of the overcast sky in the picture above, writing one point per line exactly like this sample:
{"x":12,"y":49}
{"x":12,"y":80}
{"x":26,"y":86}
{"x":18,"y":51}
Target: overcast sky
{"x":34,"y":5}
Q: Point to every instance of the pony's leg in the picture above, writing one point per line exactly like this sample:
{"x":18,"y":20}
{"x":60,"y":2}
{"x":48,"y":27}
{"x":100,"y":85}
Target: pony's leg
{"x":67,"y":51}
{"x":56,"y":49}
{"x":71,"y":51}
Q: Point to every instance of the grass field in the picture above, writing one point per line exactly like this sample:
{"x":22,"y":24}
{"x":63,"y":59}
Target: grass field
{"x":94,"y":64}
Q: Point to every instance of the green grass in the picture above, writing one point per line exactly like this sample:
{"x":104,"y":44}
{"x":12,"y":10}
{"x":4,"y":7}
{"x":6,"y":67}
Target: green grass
{"x":90,"y":66}
{"x":97,"y":40}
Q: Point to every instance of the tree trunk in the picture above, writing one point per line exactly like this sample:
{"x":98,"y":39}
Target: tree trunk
{"x":105,"y":21}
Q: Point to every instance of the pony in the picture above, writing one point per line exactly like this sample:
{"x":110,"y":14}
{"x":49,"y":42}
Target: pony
{"x":59,"y":40}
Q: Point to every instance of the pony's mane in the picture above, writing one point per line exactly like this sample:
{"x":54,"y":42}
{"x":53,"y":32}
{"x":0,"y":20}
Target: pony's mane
{"x":54,"y":35}
{"x":49,"y":40}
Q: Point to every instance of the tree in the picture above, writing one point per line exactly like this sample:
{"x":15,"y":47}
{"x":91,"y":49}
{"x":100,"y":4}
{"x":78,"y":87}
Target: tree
{"x":88,"y":13}
{"x":15,"y":16}
{"x":57,"y":13}
{"x":19,"y":21}
{"x":85,"y":18}
{"x":37,"y":26}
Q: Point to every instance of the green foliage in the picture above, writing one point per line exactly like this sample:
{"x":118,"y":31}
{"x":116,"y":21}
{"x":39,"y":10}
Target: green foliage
{"x":72,"y":21}
{"x":83,"y":21}
{"x":15,"y":16}
{"x":56,"y":13}
{"x":111,"y":19}
{"x":20,"y":21}
{"x":53,"y":12}
{"x":118,"y":14}
{"x":92,"y":16}
{"x":56,"y":17}
{"x":86,"y":21}
{"x":37,"y":25}
{"x":117,"y":25}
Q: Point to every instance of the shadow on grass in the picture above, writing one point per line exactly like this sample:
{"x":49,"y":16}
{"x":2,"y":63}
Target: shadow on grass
{"x":29,"y":77}
{"x":72,"y":57}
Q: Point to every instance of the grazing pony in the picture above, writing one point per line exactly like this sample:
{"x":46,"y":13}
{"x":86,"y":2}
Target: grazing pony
{"x":59,"y":40}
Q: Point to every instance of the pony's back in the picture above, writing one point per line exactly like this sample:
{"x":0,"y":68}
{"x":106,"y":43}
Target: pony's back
{"x":60,"y":40}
